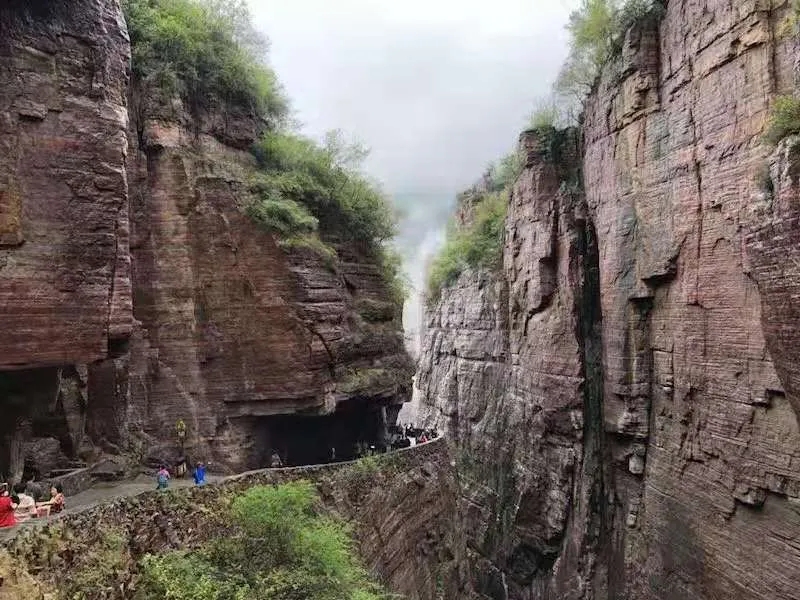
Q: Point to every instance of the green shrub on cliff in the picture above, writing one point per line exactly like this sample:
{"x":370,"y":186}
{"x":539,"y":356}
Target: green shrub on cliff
{"x":310,"y":195}
{"x":303,"y":180}
{"x":283,"y":215}
{"x":478,"y":244}
{"x":327,"y":179}
{"x":280,"y":548}
{"x":502,"y":175}
{"x":597,"y":30}
{"x":784,"y":119}
{"x":204,"y":51}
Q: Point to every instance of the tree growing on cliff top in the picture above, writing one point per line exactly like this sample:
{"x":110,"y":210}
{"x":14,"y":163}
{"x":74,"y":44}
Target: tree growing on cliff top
{"x":597,"y":31}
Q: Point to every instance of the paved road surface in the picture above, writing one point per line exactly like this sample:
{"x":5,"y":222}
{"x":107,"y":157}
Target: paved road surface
{"x":101,"y":493}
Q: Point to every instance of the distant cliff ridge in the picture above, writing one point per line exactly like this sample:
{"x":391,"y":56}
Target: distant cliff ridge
{"x":622,"y":391}
{"x":137,"y":291}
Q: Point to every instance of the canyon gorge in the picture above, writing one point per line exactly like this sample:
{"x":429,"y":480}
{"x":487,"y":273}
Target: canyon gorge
{"x":619,"y":395}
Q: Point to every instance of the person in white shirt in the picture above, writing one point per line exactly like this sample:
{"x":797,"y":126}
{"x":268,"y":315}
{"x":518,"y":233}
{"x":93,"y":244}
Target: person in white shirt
{"x":26,"y":509}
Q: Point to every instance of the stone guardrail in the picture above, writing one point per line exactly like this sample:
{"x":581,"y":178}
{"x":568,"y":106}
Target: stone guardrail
{"x":402,"y":505}
{"x":267,"y":476}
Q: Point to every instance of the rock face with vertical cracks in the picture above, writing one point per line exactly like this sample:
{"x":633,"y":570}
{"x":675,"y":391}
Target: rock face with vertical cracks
{"x":134,"y":292}
{"x":504,"y":371}
{"x":64,"y":268}
{"x":632,"y":369}
{"x":232,"y":327}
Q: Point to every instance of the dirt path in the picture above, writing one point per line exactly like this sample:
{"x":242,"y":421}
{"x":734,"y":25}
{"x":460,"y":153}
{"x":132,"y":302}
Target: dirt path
{"x":106,"y":492}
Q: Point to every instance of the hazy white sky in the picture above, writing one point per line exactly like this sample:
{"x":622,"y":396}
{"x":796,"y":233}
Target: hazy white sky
{"x":435,"y":88}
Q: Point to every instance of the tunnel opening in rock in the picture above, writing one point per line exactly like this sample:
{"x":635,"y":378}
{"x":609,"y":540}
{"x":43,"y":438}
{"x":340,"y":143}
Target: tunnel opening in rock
{"x":356,"y":427}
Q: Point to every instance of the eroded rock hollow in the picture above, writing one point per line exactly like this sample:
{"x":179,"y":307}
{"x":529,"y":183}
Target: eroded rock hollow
{"x":622,"y":393}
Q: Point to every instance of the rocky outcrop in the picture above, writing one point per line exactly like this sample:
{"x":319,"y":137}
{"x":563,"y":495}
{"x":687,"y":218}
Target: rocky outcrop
{"x":65,"y":289}
{"x":126,"y":261}
{"x":233,"y":327}
{"x":632,"y":367}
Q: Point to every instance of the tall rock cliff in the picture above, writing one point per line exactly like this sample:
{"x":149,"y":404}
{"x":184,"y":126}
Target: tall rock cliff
{"x":135,"y":292}
{"x":623,"y":392}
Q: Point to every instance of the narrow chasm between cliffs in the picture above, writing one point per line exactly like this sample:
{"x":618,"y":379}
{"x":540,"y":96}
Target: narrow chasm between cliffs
{"x":206,"y":387}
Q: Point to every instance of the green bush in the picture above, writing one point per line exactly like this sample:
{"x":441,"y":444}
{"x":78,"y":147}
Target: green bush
{"x":784,"y":119}
{"x":283,"y":216}
{"x":478,"y":245}
{"x":281,"y":548}
{"x":545,"y":116}
{"x":206,"y":52}
{"x":326,"y":181}
{"x":185,"y":576}
{"x":503,"y":174}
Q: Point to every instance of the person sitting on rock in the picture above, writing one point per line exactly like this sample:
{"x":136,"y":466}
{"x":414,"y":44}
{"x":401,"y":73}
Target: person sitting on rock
{"x":8,"y":502}
{"x":200,"y":474}
{"x":26,"y":505}
{"x":56,"y":501}
{"x":162,"y":478}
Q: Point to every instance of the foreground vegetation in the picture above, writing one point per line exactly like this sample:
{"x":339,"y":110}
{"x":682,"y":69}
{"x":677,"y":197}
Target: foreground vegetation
{"x":280,"y":548}
{"x":309,"y":195}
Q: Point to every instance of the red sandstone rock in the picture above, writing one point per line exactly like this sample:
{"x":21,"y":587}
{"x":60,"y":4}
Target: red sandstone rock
{"x":237,"y":328}
{"x":181,"y":306}
{"x":64,"y":288}
{"x":681,"y":475}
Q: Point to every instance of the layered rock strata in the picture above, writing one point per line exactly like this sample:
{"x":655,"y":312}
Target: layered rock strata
{"x":64,"y":285}
{"x":126,"y":262}
{"x":642,"y":406}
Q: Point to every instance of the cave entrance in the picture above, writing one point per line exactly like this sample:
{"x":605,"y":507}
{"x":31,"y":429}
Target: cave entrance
{"x":309,"y":439}
{"x":42,"y":425}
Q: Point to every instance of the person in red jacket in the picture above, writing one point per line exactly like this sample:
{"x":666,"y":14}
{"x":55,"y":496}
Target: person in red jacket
{"x":8,"y":503}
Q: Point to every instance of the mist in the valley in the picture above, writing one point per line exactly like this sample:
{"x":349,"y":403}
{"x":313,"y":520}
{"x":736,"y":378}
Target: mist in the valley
{"x":437,"y":90}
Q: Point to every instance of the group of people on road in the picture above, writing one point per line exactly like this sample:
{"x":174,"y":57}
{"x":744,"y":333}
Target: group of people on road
{"x":21,"y":502}
{"x":406,"y":436}
{"x":163,"y":476}
{"x":399,"y":436}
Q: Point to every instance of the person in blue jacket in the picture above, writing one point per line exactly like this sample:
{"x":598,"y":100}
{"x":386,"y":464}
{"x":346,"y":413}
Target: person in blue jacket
{"x":200,"y":474}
